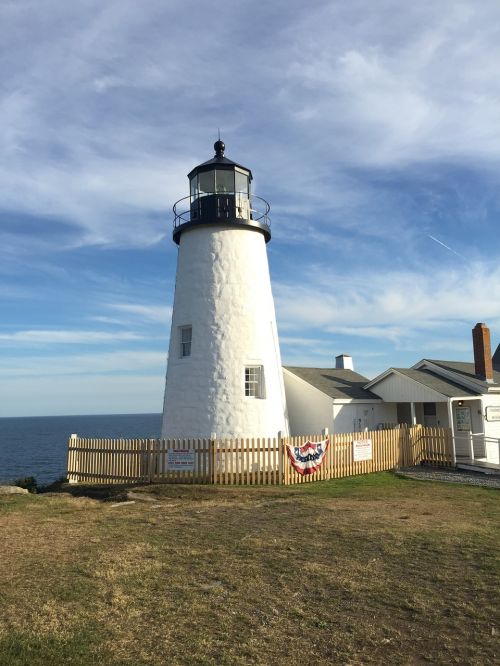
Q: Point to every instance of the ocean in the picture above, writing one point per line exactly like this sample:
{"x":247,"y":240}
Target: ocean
{"x":37,"y":445}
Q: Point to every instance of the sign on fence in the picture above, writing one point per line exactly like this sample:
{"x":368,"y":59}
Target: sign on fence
{"x":307,"y":459}
{"x":180,"y":460}
{"x":362,"y":450}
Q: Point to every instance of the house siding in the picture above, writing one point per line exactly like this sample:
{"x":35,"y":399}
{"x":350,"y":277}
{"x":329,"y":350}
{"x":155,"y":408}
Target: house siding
{"x":309,"y":410}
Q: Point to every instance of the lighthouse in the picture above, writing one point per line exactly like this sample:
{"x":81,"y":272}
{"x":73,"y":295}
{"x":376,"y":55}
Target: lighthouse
{"x":224,"y":373}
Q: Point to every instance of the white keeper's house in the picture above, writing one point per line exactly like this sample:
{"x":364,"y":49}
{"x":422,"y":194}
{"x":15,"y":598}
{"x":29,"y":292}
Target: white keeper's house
{"x":334,"y":398}
{"x":454,"y":394}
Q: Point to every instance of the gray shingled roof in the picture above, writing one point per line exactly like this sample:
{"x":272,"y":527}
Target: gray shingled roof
{"x":343,"y":384}
{"x":467,"y":370}
{"x":436,"y":382}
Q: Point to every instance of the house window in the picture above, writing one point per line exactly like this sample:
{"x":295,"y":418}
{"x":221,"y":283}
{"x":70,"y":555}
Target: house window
{"x":429,"y":409}
{"x":254,"y":384}
{"x":186,"y":335}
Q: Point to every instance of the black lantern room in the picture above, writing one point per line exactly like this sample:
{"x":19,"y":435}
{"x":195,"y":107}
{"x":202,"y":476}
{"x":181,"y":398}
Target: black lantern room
{"x":220,"y":193}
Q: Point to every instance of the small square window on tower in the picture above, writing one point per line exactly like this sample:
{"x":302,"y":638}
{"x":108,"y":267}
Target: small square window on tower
{"x":254,"y":381}
{"x":186,"y":336}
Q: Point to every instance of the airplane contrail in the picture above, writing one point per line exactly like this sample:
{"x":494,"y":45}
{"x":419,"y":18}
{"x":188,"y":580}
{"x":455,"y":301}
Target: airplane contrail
{"x":446,"y":246}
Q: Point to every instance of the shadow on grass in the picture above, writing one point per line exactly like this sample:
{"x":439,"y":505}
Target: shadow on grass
{"x":356,"y":486}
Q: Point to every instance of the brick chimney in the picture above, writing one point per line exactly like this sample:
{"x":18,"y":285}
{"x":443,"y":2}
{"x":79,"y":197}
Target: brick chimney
{"x":482,"y":352}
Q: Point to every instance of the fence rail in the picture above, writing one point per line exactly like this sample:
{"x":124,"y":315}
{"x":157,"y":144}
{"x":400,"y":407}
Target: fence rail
{"x":250,"y":461}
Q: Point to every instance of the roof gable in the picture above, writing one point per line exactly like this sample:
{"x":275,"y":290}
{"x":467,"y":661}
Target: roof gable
{"x":461,"y":373}
{"x":405,"y":383}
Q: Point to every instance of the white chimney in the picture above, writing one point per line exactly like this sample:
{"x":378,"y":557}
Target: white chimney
{"x":344,"y":362}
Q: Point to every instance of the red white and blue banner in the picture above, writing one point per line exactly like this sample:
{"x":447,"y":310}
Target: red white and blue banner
{"x":307,"y":459}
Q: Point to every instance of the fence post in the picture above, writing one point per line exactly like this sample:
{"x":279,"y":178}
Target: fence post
{"x":150,"y":455}
{"x":326,"y":472}
{"x":213,"y":456}
{"x":408,"y":447}
{"x":281,"y":452}
{"x":414,"y":455}
{"x":72,"y":459}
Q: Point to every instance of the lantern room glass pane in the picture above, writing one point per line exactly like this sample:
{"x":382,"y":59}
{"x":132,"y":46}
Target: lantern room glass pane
{"x":224,"y":181}
{"x":241,"y":183}
{"x":206,"y":182}
{"x":194,"y":186}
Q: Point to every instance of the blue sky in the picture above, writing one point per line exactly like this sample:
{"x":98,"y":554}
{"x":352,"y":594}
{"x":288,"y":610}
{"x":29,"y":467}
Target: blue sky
{"x":371,"y":128}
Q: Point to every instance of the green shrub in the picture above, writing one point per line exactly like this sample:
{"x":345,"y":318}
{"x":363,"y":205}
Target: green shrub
{"x":28,"y":482}
{"x":53,"y":486}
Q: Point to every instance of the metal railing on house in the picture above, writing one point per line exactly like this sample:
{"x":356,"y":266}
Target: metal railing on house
{"x":477,"y":447}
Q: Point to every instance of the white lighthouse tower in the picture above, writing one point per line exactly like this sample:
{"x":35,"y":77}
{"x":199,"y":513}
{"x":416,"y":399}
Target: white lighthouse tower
{"x":224,"y":371}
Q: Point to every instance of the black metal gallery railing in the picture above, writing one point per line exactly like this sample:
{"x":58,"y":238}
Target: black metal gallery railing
{"x":234,"y":206}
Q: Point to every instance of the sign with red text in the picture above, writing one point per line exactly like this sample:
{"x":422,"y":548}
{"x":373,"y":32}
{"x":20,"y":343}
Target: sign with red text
{"x":362,"y":450}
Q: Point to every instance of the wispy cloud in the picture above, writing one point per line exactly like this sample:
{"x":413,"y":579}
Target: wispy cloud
{"x":156,"y":313}
{"x":90,"y":142}
{"x":394,"y":305}
{"x":126,"y":362}
{"x":67,"y":337}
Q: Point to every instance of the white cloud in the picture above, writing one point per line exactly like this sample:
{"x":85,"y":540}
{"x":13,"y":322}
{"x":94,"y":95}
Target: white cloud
{"x":157,"y":313}
{"x":67,"y":337}
{"x":127,"y":362}
{"x":394,"y":305}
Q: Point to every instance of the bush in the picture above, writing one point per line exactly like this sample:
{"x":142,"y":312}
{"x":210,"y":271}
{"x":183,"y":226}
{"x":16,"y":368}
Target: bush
{"x":28,"y":482}
{"x":54,"y":486}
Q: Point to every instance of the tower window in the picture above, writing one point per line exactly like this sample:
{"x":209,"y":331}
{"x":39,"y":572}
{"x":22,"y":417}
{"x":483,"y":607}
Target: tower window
{"x":186,"y":336}
{"x":254,"y":381}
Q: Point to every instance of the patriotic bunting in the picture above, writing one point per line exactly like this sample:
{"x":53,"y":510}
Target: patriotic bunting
{"x":307,"y":459}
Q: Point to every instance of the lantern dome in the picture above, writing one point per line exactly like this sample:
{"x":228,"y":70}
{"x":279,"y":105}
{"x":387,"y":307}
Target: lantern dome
{"x":220,"y":193}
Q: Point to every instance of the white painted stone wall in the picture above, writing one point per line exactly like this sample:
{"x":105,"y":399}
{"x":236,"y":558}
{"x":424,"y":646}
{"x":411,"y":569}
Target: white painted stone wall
{"x":223,"y":290}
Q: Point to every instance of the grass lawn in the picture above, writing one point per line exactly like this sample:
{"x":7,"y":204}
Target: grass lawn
{"x":367,"y":570}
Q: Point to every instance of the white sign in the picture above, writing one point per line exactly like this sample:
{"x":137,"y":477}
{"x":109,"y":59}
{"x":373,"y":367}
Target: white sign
{"x":493,"y":413}
{"x":180,"y":460}
{"x":463,"y":419}
{"x":362,"y":450}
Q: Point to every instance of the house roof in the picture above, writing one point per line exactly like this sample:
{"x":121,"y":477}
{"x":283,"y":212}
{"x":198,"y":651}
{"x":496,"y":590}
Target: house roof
{"x":467,"y":371}
{"x":436,"y":382}
{"x":336,"y":383}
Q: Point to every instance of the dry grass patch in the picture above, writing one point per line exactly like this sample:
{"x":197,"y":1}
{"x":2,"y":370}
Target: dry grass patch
{"x":368,"y":570}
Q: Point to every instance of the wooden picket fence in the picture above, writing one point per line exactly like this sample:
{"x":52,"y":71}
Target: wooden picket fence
{"x":250,"y":461}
